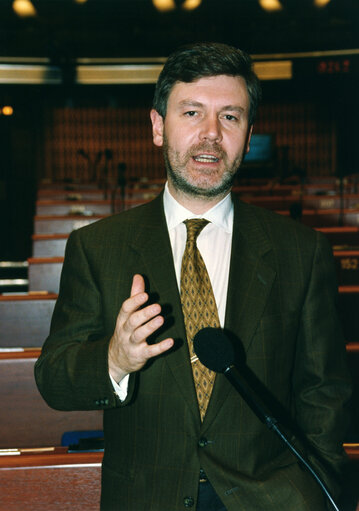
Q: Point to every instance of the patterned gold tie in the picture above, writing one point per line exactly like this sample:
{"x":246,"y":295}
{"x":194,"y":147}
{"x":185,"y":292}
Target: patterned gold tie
{"x":199,"y":308}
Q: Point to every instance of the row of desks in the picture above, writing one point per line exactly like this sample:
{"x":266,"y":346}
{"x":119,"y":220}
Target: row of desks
{"x":25,"y":319}
{"x":58,"y":480}
{"x":275,"y":202}
{"x":29,"y":422}
{"x":139,"y":188}
{"x":44,"y":271}
{"x":62,"y":224}
{"x":53,"y":244}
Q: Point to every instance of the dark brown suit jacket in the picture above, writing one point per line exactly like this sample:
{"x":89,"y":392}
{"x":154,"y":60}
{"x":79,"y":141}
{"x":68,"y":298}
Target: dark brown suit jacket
{"x":281,"y":312}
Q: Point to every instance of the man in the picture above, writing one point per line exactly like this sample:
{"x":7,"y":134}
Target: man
{"x":118,"y":336}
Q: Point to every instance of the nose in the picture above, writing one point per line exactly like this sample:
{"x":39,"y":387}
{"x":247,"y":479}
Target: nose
{"x":211,"y":129}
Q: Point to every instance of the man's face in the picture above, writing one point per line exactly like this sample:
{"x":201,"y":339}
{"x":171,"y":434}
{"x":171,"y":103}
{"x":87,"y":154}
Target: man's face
{"x":204,"y":135}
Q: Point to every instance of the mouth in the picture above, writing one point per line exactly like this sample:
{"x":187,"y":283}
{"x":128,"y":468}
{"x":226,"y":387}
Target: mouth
{"x":206,"y":158}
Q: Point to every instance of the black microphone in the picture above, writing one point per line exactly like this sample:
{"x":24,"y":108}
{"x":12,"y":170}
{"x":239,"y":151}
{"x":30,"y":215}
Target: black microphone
{"x":215,"y":351}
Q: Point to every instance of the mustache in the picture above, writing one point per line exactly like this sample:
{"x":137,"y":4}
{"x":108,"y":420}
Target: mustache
{"x":206,"y":147}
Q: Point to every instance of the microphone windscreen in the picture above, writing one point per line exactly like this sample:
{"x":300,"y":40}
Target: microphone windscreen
{"x":214,"y":349}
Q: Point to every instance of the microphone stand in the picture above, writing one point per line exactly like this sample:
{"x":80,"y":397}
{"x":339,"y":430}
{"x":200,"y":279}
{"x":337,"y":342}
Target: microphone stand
{"x":272,"y":423}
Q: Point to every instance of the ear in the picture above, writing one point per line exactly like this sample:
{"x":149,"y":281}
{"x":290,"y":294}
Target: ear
{"x":248,"y":139}
{"x":157,"y":127}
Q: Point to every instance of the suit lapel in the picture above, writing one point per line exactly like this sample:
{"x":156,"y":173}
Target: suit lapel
{"x":153,"y":246}
{"x":250,"y":282}
{"x":251,"y":278}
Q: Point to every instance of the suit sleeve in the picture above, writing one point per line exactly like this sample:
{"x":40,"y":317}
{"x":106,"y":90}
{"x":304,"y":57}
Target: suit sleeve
{"x":72,"y":371}
{"x":321,"y":383}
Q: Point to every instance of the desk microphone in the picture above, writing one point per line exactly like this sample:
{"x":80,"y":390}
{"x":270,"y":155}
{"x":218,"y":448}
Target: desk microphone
{"x":215,"y":351}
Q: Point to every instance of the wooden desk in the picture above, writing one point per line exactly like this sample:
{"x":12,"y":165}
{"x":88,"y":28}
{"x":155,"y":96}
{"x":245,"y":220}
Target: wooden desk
{"x":45,"y":273}
{"x":79,"y":207}
{"x":62,"y":224}
{"x":26,"y":420}
{"x":341,"y":237}
{"x":51,"y":481}
{"x":316,"y":202}
{"x":327,"y":217}
{"x":70,"y":195}
{"x":25,"y":319}
{"x":315,"y":189}
{"x":49,"y":245}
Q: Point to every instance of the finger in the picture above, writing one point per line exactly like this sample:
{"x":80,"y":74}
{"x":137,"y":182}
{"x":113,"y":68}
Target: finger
{"x":154,"y":350}
{"x":138,"y":285}
{"x":140,"y":317}
{"x":133,"y":303}
{"x":137,"y":298}
{"x":141,"y":326}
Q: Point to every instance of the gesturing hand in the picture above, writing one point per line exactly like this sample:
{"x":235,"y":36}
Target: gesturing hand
{"x":128,"y":349}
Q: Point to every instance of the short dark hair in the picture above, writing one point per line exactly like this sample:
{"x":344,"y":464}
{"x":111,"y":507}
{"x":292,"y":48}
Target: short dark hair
{"x":192,"y":62}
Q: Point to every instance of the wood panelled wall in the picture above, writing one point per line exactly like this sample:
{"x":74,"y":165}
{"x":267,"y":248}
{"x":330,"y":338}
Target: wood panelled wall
{"x":306,"y":130}
{"x":126,"y":132}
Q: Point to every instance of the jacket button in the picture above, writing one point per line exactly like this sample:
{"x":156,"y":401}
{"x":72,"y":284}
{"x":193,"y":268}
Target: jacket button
{"x":202,"y":442}
{"x":188,"y":501}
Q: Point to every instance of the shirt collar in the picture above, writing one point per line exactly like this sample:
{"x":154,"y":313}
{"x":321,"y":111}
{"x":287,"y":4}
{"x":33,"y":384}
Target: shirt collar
{"x":220,"y":215}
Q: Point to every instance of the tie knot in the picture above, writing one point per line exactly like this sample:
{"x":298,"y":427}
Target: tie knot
{"x":194,"y":227}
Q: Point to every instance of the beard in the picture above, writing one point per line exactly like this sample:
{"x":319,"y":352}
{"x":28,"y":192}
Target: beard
{"x":176,"y":167}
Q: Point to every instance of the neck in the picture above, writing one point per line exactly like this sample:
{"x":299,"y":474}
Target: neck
{"x":196,"y":204}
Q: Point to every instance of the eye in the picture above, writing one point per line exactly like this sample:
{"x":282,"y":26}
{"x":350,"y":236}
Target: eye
{"x":190,"y":113}
{"x":230,"y":117}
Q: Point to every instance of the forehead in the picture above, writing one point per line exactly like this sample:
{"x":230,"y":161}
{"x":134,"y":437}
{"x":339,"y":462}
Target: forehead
{"x":219,"y":91}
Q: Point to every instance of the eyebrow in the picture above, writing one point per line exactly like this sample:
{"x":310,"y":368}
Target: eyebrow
{"x":193,"y":103}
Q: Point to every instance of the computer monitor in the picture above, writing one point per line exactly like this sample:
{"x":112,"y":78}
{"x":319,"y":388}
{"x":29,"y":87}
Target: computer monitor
{"x":261,"y":149}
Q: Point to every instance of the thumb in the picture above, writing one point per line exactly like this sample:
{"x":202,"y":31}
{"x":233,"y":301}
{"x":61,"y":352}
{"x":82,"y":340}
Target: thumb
{"x":138,"y":285}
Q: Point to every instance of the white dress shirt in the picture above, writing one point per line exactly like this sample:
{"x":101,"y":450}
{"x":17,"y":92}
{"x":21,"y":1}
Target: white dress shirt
{"x":214,"y":242}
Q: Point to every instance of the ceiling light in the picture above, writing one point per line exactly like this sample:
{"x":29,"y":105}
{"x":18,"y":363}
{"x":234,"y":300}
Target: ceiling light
{"x":164,"y":5}
{"x":190,"y":5}
{"x":80,"y":1}
{"x":24,"y":8}
{"x":321,"y":3}
{"x":271,"y":5}
{"x":7,"y":110}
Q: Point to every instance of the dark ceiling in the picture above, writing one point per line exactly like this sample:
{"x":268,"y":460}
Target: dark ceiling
{"x":134,"y":28}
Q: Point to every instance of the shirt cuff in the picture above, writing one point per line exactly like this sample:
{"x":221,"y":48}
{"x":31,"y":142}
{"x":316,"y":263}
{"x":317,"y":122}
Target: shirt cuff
{"x":121,"y":388}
